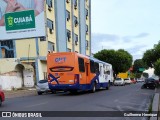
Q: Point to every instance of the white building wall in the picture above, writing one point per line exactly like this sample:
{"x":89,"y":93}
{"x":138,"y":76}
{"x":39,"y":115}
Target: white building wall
{"x":11,"y":80}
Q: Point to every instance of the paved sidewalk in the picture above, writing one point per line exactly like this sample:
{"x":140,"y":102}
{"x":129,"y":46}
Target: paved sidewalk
{"x":20,"y":93}
{"x":158,"y":91}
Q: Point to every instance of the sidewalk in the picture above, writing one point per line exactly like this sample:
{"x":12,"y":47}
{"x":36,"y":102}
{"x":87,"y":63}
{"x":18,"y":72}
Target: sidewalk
{"x":158,"y":91}
{"x":20,"y":93}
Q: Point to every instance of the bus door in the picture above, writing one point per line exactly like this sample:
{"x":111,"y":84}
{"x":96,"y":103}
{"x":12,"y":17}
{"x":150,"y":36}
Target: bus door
{"x":87,"y":71}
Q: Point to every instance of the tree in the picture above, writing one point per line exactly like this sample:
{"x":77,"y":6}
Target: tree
{"x":138,"y":63}
{"x":121,"y":60}
{"x":152,"y":55}
{"x":138,"y":75}
{"x":157,"y":67}
{"x":149,"y":57}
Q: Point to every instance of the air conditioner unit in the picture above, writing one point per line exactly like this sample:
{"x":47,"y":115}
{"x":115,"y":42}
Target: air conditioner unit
{"x":76,"y":23}
{"x":68,"y":19}
{"x":68,"y":1}
{"x":49,"y":8}
{"x":51,"y":31}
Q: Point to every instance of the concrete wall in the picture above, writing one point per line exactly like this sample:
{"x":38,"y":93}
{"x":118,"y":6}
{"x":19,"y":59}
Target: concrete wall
{"x":7,"y":65}
{"x":26,"y":47}
{"x":60,"y":7}
{"x":82,"y":27}
{"x":11,"y":80}
{"x":42,"y":69}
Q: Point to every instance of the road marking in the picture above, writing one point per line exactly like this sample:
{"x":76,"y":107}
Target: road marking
{"x":36,"y":105}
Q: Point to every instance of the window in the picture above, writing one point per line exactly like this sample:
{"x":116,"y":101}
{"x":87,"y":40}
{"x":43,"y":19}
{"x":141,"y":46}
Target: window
{"x":75,"y":21}
{"x":86,"y":29}
{"x":81,"y":65}
{"x":49,"y":3}
{"x":42,"y":38}
{"x":61,"y":69}
{"x":67,"y":15}
{"x":68,"y":35}
{"x":86,"y":14}
{"x":75,"y":4}
{"x":50,"y":25}
{"x":51,"y":46}
{"x":76,"y":39}
{"x":7,"y":49}
{"x":96,"y":66}
{"x":101,"y":72}
{"x":92,"y":68}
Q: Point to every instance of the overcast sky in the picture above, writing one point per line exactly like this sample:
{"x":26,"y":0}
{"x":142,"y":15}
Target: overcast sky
{"x":133,"y":25}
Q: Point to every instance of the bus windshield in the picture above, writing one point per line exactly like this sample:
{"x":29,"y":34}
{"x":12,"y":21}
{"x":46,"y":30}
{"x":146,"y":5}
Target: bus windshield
{"x":61,"y":69}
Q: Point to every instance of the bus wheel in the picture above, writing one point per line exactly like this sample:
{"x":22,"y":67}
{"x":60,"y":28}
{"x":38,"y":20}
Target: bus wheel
{"x":107,"y":88}
{"x":93,"y":88}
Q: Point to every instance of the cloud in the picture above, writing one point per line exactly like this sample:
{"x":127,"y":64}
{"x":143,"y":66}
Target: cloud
{"x":130,"y":38}
{"x":104,"y":37}
{"x":132,"y":44}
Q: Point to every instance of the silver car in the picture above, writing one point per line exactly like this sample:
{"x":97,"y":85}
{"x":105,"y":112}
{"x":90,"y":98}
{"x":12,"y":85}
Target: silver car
{"x":119,"y":81}
{"x":42,"y":87}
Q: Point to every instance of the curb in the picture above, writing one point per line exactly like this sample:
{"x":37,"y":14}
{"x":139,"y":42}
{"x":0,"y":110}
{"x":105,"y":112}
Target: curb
{"x":155,"y":106}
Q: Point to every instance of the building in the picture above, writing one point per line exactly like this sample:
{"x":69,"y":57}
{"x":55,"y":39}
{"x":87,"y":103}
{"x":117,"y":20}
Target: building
{"x":67,"y":27}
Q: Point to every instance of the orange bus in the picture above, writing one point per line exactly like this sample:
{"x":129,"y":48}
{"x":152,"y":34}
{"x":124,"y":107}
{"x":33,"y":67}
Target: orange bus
{"x":70,"y":71}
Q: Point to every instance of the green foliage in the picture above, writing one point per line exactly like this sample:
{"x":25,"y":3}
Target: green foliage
{"x":138,"y":64}
{"x":121,"y":60}
{"x":149,"y":57}
{"x":152,"y":58}
{"x":132,"y":75}
{"x":157,"y":67}
{"x":138,"y":75}
{"x":152,"y":55}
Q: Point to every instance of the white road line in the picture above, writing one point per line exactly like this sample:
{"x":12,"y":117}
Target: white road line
{"x":36,"y":104}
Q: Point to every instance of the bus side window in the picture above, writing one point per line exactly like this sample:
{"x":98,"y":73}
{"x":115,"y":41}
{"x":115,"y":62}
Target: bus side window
{"x":92,"y":68}
{"x":96,"y":66}
{"x":81,"y":65}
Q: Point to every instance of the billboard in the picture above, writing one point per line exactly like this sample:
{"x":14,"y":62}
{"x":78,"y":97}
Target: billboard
{"x":21,"y":19}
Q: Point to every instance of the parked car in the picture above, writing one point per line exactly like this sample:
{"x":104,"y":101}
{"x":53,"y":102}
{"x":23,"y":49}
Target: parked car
{"x":149,"y":83}
{"x":119,"y":81}
{"x":42,"y":87}
{"x":127,"y":81}
{"x":2,"y":97}
{"x":140,"y":80}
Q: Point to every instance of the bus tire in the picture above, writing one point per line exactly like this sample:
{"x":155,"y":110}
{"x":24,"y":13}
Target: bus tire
{"x":93,"y":88}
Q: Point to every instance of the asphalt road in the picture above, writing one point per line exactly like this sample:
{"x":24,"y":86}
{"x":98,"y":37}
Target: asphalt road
{"x":118,"y":98}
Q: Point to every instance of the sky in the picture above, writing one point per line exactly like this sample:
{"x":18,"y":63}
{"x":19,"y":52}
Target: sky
{"x":133,"y":25}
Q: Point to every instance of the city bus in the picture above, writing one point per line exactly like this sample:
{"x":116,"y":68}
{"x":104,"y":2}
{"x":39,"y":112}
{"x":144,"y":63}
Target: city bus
{"x":71,"y":71}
